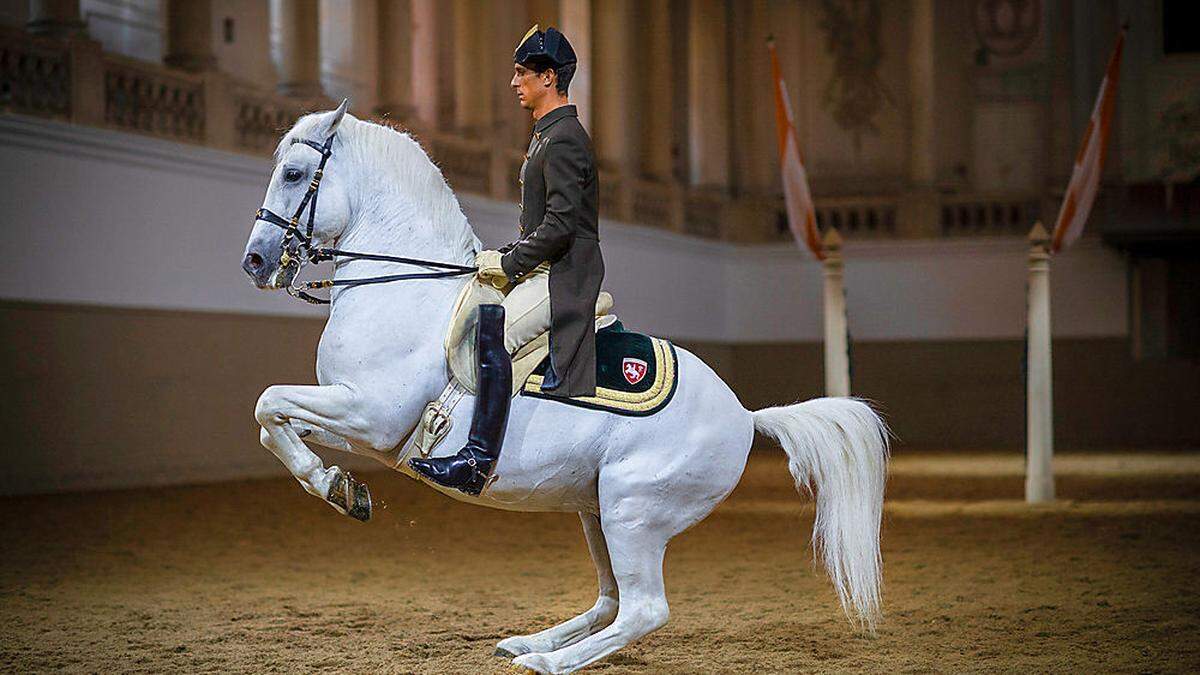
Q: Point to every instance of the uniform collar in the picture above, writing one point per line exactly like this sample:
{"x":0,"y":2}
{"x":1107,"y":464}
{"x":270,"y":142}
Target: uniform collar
{"x":554,"y":116}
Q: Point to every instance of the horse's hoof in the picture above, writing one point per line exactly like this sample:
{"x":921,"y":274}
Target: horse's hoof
{"x":349,"y":495}
{"x":512,"y":647}
{"x":532,"y":663}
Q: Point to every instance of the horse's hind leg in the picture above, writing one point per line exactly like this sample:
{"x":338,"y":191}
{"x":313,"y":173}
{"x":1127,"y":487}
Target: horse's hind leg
{"x":573,"y":630}
{"x":637,"y":545}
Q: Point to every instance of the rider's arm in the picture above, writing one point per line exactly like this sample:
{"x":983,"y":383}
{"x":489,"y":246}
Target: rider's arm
{"x":565,"y":167}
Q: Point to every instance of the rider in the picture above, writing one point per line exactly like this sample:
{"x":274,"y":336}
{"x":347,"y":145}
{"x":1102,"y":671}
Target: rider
{"x":552,"y":272}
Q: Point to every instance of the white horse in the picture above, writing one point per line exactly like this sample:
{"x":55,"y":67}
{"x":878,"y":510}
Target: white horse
{"x":635,"y":482}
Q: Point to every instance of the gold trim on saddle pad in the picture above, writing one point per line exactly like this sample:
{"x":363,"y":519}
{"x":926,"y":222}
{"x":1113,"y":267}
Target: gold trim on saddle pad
{"x":625,"y":401}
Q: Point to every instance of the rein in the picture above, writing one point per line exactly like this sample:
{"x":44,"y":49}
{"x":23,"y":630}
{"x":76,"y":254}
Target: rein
{"x":296,"y":246}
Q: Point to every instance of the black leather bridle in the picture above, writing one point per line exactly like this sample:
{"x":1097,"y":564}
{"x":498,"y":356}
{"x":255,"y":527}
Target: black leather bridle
{"x":296,"y":246}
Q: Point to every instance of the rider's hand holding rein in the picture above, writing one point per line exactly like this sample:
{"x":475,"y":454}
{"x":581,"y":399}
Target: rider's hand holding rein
{"x":490,"y":270}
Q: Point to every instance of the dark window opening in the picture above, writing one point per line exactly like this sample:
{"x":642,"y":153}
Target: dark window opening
{"x":1181,"y":27}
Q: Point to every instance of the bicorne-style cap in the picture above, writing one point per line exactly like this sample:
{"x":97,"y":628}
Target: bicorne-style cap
{"x":549,"y":48}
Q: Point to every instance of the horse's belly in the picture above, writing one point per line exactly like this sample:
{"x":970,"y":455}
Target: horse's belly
{"x":554,"y":453}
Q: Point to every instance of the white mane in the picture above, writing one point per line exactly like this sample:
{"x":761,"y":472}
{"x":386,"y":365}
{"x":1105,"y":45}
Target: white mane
{"x":404,"y":194}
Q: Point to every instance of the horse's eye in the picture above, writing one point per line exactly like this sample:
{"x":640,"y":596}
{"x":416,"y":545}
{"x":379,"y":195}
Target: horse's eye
{"x":292,"y":175}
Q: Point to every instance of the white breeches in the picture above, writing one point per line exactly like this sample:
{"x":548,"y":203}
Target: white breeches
{"x":527,"y":309}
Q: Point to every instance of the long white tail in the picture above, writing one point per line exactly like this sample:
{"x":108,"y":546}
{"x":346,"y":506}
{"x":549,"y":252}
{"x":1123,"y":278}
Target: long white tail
{"x":837,"y":450}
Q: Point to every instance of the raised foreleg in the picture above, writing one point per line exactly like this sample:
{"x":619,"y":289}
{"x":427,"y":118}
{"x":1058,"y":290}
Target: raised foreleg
{"x":313,"y":434}
{"x":573,"y":630}
{"x":286,"y":411}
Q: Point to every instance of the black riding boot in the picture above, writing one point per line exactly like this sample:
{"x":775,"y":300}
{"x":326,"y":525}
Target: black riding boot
{"x":470,"y":469}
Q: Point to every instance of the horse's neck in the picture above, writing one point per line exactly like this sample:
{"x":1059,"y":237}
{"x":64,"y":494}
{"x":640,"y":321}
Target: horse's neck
{"x":408,"y":318}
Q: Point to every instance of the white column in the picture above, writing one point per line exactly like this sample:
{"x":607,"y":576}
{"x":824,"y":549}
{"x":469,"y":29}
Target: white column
{"x":395,"y":57}
{"x":349,"y":54}
{"x":1039,"y":453}
{"x":837,"y":352}
{"x":55,"y":18}
{"x":918,"y":212}
{"x":189,"y":35}
{"x":425,"y":63}
{"x":472,"y":93}
{"x":657,"y":88}
{"x":511,"y":122}
{"x":708,"y":94}
{"x":296,"y":47}
{"x":576,"y":20}
{"x":922,"y":152}
{"x":615,"y":124}
{"x":756,"y":150}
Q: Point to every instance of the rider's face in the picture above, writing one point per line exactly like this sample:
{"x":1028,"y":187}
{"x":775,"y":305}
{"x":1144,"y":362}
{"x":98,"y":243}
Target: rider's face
{"x":531,"y":86}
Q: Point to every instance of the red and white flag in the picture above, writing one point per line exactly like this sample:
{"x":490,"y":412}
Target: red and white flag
{"x":802,"y":218}
{"x":1089,"y":163}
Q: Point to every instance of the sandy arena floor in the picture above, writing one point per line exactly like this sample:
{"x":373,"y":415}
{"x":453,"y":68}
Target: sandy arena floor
{"x":258,"y":576}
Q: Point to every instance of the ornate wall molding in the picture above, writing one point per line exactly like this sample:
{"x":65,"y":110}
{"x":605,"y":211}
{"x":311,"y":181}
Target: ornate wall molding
{"x":854,"y":92}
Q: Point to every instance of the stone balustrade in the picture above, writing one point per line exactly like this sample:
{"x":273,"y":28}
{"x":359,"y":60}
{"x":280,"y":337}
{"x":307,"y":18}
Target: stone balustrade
{"x":74,"y":80}
{"x":858,"y":217}
{"x":973,"y":215}
{"x":260,"y":118}
{"x":35,"y":77}
{"x":148,"y":99}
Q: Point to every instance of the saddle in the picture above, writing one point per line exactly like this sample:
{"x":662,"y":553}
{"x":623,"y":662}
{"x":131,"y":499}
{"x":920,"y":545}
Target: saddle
{"x":460,"y":339}
{"x":636,"y":374}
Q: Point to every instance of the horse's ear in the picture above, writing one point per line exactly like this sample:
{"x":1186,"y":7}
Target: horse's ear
{"x":336,"y":118}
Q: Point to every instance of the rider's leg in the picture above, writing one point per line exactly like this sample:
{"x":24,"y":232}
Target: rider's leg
{"x":573,"y":630}
{"x":470,"y":469}
{"x":332,"y":408}
{"x":527,"y":310}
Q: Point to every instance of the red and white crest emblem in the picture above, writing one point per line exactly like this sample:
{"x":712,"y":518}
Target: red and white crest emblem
{"x":633,"y":369}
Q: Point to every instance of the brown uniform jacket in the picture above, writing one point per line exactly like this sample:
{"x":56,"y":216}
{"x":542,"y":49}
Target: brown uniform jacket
{"x":559,"y":225}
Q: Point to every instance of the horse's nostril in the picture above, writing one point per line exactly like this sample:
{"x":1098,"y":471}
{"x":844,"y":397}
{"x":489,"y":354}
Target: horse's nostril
{"x":253,"y":261}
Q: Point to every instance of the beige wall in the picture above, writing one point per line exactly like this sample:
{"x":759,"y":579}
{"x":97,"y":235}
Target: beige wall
{"x":970,"y":394}
{"x":96,"y":397}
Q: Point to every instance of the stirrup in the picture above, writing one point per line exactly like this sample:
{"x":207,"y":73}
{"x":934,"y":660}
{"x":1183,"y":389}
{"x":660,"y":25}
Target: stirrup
{"x":466,"y":487}
{"x":349,"y":495}
{"x":483,"y":480}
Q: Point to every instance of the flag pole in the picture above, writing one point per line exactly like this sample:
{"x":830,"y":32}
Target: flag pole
{"x":1072,"y":216}
{"x":837,"y":357}
{"x":1039,"y":398}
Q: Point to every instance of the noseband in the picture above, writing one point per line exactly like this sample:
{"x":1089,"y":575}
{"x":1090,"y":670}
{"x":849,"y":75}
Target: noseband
{"x":296,"y":246}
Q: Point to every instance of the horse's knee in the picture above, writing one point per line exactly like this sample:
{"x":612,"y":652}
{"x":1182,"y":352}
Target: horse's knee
{"x":266,"y":410}
{"x":264,"y":437}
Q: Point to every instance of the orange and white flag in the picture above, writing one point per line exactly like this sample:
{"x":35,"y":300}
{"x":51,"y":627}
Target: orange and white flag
{"x":1089,"y":163}
{"x":802,"y":217}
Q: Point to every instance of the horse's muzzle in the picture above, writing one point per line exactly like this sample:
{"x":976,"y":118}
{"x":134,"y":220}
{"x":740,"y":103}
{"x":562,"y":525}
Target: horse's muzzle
{"x":261,"y":268}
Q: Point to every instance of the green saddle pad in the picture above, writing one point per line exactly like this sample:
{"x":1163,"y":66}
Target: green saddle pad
{"x":636,"y":374}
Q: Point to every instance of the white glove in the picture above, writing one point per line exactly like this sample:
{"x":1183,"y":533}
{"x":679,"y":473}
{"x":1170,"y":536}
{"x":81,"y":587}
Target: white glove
{"x":490,"y":270}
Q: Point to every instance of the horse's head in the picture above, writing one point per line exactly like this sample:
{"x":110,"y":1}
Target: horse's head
{"x":298,"y":195}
